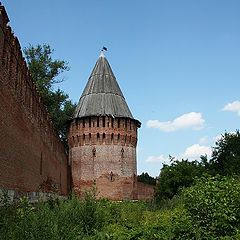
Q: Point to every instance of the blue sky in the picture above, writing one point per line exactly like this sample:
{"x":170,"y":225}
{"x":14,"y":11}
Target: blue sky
{"x":177,"y":63}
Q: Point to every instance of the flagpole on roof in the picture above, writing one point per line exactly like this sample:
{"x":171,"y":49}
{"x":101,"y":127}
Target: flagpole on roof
{"x":102,"y":51}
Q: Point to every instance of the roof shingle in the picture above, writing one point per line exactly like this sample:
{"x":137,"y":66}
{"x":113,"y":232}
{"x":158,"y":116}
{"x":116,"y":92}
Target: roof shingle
{"x":102,"y":95}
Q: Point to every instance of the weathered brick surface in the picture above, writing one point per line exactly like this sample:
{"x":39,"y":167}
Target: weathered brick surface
{"x":102,"y":149}
{"x":103,"y":154}
{"x":145,"y":191}
{"x":31,"y":154}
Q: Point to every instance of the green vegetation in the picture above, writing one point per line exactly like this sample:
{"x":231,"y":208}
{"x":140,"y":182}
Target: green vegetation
{"x":226,"y":155}
{"x":209,"y":209}
{"x":225,"y":161}
{"x":213,"y":204}
{"x":194,"y":199}
{"x":177,"y":175}
{"x":46,"y":72}
{"x":145,"y":178}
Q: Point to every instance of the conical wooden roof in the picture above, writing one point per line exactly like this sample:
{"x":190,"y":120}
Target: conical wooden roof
{"x":102,"y":95}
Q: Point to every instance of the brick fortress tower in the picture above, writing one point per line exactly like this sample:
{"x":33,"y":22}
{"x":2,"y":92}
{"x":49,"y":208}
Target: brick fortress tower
{"x":103,"y":137}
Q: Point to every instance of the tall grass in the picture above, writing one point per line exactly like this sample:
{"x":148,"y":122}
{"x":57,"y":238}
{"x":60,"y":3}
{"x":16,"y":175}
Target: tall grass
{"x":183,"y":217}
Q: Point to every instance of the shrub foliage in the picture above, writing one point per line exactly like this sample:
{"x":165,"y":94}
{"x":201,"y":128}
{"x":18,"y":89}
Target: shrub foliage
{"x":207,"y":210}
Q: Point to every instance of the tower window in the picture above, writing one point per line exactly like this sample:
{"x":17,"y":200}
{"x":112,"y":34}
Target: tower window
{"x":103,"y":121}
{"x":89,"y":122}
{"x":97,"y":121}
{"x":98,"y":136}
{"x":111,"y":176}
{"x":83,"y":138}
{"x":122,"y":153}
{"x":94,"y":152}
{"x":112,"y":137}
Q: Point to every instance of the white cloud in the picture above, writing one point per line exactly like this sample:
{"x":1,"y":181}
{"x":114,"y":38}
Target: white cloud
{"x":204,"y":140}
{"x":191,"y":153}
{"x":157,"y":159}
{"x":191,"y":120}
{"x":195,"y":151}
{"x":233,"y":107}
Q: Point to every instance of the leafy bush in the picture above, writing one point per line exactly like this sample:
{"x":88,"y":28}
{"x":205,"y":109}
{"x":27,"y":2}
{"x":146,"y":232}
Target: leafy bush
{"x":214,"y":205}
{"x":207,"y":210}
{"x":174,"y":177}
{"x":54,"y":219}
{"x":226,"y":155}
{"x":146,"y":178}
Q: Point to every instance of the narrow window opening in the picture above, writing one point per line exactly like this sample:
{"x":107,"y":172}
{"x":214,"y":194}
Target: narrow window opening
{"x":83,"y":138}
{"x":94,"y":152}
{"x":90,"y":137}
{"x":103,"y":121}
{"x":126,"y":123}
{"x":118,"y":137}
{"x":122,"y":153}
{"x":89,"y":122}
{"x":97,"y":121}
{"x":112,"y":121}
{"x":111,"y":176}
{"x":98,"y":136}
{"x":112,"y":137}
{"x":104,"y":137}
{"x":83,"y":122}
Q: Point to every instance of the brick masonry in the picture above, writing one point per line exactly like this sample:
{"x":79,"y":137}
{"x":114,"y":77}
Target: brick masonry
{"x":32,"y":157}
{"x":103,"y":154}
{"x":145,"y":191}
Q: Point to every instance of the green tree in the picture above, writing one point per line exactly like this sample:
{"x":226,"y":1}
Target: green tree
{"x":226,"y":155}
{"x":46,"y":72}
{"x":177,"y":175}
{"x":146,"y":178}
{"x":214,"y":206}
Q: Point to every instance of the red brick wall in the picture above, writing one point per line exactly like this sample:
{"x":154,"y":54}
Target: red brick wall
{"x":103,"y":154}
{"x":145,"y":191}
{"x":31,"y":154}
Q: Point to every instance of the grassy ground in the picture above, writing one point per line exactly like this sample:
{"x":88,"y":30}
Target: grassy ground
{"x":208,"y":210}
